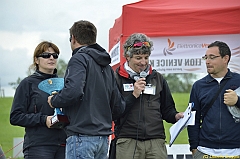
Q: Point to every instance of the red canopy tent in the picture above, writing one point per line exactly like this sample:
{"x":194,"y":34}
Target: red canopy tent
{"x":161,"y":18}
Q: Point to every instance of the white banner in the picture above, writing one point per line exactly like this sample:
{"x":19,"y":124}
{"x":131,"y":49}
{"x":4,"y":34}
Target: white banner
{"x":115,"y":54}
{"x":182,"y":54}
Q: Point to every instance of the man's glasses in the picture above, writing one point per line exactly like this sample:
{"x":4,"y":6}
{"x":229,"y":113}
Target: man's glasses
{"x":48,"y":55}
{"x":211,"y":57}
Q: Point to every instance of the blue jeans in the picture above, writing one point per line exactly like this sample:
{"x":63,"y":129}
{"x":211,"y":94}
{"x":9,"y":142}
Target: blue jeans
{"x":87,"y":147}
{"x":45,"y":152}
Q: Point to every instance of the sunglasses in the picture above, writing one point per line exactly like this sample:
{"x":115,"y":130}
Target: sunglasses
{"x":47,"y":55}
{"x":140,"y":44}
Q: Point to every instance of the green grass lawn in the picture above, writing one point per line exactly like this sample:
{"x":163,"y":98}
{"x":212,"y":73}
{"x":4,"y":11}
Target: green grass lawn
{"x":181,"y":101}
{"x":8,"y":132}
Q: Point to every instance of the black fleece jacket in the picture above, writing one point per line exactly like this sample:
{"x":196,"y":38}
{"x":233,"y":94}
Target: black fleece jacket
{"x":90,"y":95}
{"x":146,"y":114}
{"x":30,"y":110}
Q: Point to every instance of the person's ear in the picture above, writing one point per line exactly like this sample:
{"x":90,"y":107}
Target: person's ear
{"x":127,"y":58}
{"x":36,"y":60}
{"x":226,"y":58}
{"x":73,"y":39}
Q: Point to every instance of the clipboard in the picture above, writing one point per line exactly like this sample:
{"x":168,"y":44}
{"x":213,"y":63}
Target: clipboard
{"x":180,"y":124}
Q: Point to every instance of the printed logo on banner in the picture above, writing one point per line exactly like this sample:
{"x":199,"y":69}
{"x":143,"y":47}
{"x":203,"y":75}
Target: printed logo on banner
{"x":179,"y":61}
{"x":170,"y":48}
{"x":183,"y":54}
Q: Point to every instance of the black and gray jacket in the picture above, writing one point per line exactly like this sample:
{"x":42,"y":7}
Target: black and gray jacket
{"x":148,"y":111}
{"x":30,"y":110}
{"x":90,"y":95}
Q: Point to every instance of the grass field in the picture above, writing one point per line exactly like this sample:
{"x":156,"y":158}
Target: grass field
{"x":8,"y":132}
{"x":181,"y":101}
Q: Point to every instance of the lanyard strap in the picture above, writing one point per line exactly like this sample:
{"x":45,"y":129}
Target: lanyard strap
{"x":214,"y":98}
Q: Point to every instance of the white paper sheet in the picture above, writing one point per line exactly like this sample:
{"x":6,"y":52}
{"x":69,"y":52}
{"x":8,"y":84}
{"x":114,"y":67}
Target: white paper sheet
{"x":188,"y":119}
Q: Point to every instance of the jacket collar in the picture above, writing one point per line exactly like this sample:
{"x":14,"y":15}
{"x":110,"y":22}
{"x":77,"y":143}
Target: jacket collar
{"x":41,"y":75}
{"x":209,"y":78}
{"x":122,"y":71}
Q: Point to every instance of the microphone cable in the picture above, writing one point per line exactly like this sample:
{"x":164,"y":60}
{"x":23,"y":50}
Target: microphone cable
{"x":143,"y":74}
{"x":139,"y":117}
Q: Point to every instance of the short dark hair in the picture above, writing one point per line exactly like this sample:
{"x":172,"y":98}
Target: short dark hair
{"x":84,"y":32}
{"x":223,"y":48}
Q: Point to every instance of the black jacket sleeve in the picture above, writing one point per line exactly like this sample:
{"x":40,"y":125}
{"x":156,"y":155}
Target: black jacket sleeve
{"x":167,"y":104}
{"x":74,"y":82}
{"x":19,"y":114}
{"x":118,"y":103}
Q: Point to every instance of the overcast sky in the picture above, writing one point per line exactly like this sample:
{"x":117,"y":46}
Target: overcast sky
{"x":25,"y":23}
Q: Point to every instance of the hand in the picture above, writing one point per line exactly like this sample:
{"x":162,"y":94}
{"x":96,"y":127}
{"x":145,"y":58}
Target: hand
{"x":194,"y":151}
{"x":139,"y":86}
{"x":230,"y":97}
{"x":54,"y":92}
{"x":179,"y":115}
{"x":49,"y":101}
{"x":48,"y":121}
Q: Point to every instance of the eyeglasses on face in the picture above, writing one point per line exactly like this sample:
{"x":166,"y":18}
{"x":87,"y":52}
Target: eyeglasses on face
{"x":211,"y":57}
{"x":70,"y":39}
{"x":46,"y":55}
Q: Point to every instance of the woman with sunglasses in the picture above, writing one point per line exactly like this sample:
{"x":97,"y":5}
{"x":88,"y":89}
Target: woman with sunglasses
{"x":31,"y":110}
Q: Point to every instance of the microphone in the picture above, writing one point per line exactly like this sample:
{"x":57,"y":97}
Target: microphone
{"x":143,"y":74}
{"x":136,"y":78}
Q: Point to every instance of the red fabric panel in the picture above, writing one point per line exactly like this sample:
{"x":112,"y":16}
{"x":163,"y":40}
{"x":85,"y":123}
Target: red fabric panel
{"x":157,"y":18}
{"x":181,"y":17}
{"x":115,"y":32}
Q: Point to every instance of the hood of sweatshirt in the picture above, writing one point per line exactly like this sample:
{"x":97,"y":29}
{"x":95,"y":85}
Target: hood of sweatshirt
{"x":98,"y":53}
